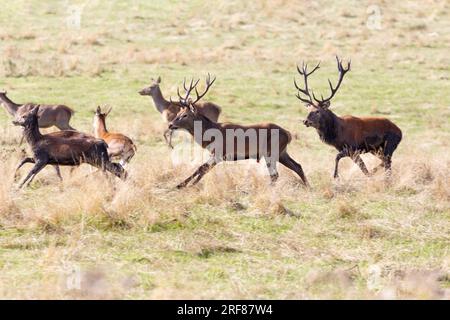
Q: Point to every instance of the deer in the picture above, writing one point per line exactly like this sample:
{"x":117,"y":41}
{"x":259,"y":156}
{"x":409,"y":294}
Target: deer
{"x":351,"y":136}
{"x":230,"y":141}
{"x":49,"y":115}
{"x":66,"y":148}
{"x":169,"y":109}
{"x":119,"y":145}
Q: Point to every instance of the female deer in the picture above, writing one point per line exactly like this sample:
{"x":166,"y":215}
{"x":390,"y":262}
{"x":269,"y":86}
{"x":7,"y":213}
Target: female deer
{"x":232,"y":142}
{"x":49,"y":115}
{"x":169,"y":109}
{"x":67,"y":148}
{"x":119,"y":145}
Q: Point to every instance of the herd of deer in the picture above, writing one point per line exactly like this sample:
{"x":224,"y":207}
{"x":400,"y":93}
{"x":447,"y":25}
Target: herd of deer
{"x":351,"y":136}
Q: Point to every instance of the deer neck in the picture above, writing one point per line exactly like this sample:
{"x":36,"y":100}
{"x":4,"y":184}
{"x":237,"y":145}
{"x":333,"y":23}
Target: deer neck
{"x":10,"y":106}
{"x":32,"y":134}
{"x":161,"y":104}
{"x":99,"y":127}
{"x":329,"y":128}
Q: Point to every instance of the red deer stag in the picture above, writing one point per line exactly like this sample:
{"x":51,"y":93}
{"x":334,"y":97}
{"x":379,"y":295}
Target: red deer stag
{"x":67,"y":148}
{"x":351,"y":136}
{"x":119,"y":145}
{"x":232,"y":142}
{"x":169,"y":109}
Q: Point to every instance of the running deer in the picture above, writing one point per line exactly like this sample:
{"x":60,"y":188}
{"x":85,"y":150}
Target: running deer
{"x":351,"y":136}
{"x":232,"y":142}
{"x":66,"y":148}
{"x":119,"y":145}
{"x":49,"y":115}
{"x":169,"y":109}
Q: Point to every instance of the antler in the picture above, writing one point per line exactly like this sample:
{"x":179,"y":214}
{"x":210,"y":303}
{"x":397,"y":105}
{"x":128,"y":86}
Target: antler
{"x":342,"y":73}
{"x":192,"y":85}
{"x":304,"y":72}
{"x":209,"y":83}
{"x":186,"y":100}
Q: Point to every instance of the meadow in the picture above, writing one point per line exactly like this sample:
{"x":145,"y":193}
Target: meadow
{"x":232,"y":236}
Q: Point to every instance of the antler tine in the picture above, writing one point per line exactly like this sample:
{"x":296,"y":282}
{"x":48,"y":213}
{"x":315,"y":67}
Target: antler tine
{"x":304,"y":72}
{"x":209,"y":83}
{"x":342,"y":72}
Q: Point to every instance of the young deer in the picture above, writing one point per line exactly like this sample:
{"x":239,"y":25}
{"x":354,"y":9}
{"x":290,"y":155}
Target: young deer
{"x":119,"y":145}
{"x":350,"y":135}
{"x":232,"y":142}
{"x":169,"y":109}
{"x":67,"y":148}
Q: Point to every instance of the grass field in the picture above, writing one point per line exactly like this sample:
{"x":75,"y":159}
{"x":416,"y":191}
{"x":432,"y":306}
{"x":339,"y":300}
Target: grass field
{"x":233,"y":236}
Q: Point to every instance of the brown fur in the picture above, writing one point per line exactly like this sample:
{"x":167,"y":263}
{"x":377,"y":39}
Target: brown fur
{"x":119,"y":145}
{"x":186,"y":118}
{"x":49,"y":115}
{"x":350,"y":135}
{"x":68,"y":148}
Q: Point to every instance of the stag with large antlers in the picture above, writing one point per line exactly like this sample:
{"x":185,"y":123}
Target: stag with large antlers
{"x":351,"y":136}
{"x":66,"y":148}
{"x":169,"y":109}
{"x":232,"y":142}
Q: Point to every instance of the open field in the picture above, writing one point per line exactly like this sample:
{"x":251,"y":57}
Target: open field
{"x":234,"y":235}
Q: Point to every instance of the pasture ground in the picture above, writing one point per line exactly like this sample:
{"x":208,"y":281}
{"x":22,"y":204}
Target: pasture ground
{"x":233,"y":236}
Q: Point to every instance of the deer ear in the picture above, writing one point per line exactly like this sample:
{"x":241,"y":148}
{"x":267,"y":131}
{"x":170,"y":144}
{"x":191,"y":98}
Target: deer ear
{"x":35,"y":110}
{"x":158,"y":80}
{"x":99,"y":110}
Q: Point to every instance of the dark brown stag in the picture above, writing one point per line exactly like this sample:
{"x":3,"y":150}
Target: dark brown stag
{"x":351,"y":136}
{"x":66,"y":148}
{"x":232,"y":142}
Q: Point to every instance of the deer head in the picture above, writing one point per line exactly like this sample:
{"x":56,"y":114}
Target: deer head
{"x":100,"y":114}
{"x":188,"y":112}
{"x":151,"y":89}
{"x":27,"y":119}
{"x":319,"y":113}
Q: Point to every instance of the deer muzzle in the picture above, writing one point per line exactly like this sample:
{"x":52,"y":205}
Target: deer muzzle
{"x":306,"y":123}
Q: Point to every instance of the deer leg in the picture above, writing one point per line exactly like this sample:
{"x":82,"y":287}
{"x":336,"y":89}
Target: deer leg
{"x":58,"y":172}
{"x":202,"y":172}
{"x":272,"y":167}
{"x":116,"y":169}
{"x":21,"y":140}
{"x":391,"y":144}
{"x":39,"y":165}
{"x":287,"y":161}
{"x":23,"y":161}
{"x":357,"y":159}
{"x":339,"y":156}
{"x":168,"y":137}
{"x":378,"y":167}
{"x":199,"y":173}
